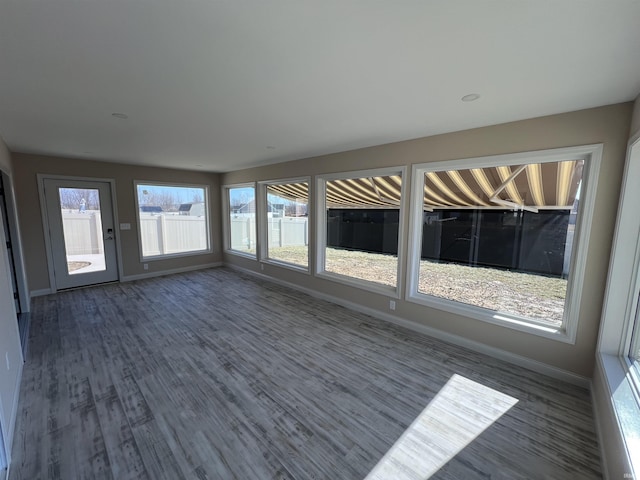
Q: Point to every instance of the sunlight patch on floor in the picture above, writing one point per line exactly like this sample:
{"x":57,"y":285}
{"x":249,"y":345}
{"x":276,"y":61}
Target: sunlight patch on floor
{"x":459,"y":413}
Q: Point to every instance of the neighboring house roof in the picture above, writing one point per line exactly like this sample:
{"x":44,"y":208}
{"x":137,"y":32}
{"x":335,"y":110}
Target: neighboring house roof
{"x":150,"y":209}
{"x":249,"y":207}
{"x":185,"y":207}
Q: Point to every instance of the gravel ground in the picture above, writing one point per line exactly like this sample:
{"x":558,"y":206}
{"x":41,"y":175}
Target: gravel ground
{"x":529,"y":295}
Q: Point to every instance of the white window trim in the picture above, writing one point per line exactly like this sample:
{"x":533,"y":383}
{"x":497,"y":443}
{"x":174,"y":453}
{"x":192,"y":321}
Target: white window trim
{"x":152,"y":258}
{"x":263,"y":252}
{"x":321,"y":231}
{"x":226,"y":227}
{"x":592,"y":156}
{"x":619,"y":311}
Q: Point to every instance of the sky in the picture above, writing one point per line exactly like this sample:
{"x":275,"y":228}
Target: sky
{"x":241,"y":195}
{"x":181,"y":194}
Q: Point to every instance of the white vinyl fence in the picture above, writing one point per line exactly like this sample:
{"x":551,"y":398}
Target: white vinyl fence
{"x":82,"y":232}
{"x":282,"y":232}
{"x":243,"y":232}
{"x":287,"y":232}
{"x":166,"y":234}
{"x":161,"y":234}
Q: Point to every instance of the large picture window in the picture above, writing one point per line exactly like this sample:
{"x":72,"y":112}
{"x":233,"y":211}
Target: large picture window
{"x":172,"y":219}
{"x":360,"y":226}
{"x":241,"y":217}
{"x":617,"y":373}
{"x":496,"y":237}
{"x":634,"y":352}
{"x":287,"y":222}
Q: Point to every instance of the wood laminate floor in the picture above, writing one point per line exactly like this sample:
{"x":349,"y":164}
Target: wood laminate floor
{"x":217,"y":375}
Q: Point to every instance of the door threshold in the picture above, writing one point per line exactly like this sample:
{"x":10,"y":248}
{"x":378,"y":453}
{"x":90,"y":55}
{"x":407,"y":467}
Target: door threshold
{"x":80,"y":287}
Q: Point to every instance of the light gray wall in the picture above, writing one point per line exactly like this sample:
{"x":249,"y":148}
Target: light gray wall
{"x":5,"y":157}
{"x":9,"y":338}
{"x":25,"y":171}
{"x":608,"y":125}
{"x":635,"y":119}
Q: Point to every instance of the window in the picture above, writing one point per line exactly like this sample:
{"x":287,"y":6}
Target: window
{"x":634,"y":352}
{"x":629,"y":207}
{"x":359,"y":228}
{"x":497,"y":237}
{"x":618,"y":359}
{"x":287,"y":222}
{"x":172,"y":219}
{"x":241,"y":213}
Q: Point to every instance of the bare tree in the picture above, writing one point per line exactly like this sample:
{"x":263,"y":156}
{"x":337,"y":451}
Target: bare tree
{"x":164,"y":198}
{"x":197,"y":197}
{"x":73,"y":198}
{"x":294,"y":209}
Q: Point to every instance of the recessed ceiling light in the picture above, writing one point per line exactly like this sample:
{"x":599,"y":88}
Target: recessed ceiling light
{"x":123,"y":116}
{"x":271,"y":147}
{"x":471,"y":97}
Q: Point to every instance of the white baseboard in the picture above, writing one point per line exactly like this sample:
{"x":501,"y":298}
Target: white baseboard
{"x":141,"y":276}
{"x":130,"y":278}
{"x":40,"y":293}
{"x":500,"y":354}
{"x":510,"y":357}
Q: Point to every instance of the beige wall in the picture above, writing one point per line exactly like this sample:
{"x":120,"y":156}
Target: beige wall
{"x":25,"y":170}
{"x":608,"y":125}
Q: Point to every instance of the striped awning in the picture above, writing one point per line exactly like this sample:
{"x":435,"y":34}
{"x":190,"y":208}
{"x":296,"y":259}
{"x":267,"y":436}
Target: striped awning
{"x":365,"y":192}
{"x":296,"y":192}
{"x":533,"y":186}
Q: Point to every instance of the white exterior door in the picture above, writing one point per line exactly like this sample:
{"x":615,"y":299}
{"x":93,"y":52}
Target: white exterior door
{"x":79,"y":214}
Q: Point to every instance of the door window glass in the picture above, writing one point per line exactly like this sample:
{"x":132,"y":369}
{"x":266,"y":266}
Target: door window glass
{"x":82,"y":227}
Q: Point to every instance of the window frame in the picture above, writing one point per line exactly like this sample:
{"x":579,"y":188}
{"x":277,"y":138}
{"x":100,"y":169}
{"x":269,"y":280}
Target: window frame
{"x":592,"y":157}
{"x":321,"y":231}
{"x":226,"y":224}
{"x":634,"y":334}
{"x":263,"y":224}
{"x":207,"y":217}
{"x":620,"y":308}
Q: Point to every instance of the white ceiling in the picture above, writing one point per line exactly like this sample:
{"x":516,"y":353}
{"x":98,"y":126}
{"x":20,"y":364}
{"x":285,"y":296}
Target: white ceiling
{"x":216,"y":82}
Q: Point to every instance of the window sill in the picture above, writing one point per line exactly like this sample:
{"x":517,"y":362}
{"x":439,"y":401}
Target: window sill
{"x":251,"y":256}
{"x":362,"y":284}
{"x":167,"y":256}
{"x":290,"y":266}
{"x":490,"y":316}
{"x":624,"y":398}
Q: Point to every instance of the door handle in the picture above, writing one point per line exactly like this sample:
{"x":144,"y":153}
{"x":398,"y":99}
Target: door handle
{"x":109,"y":235}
